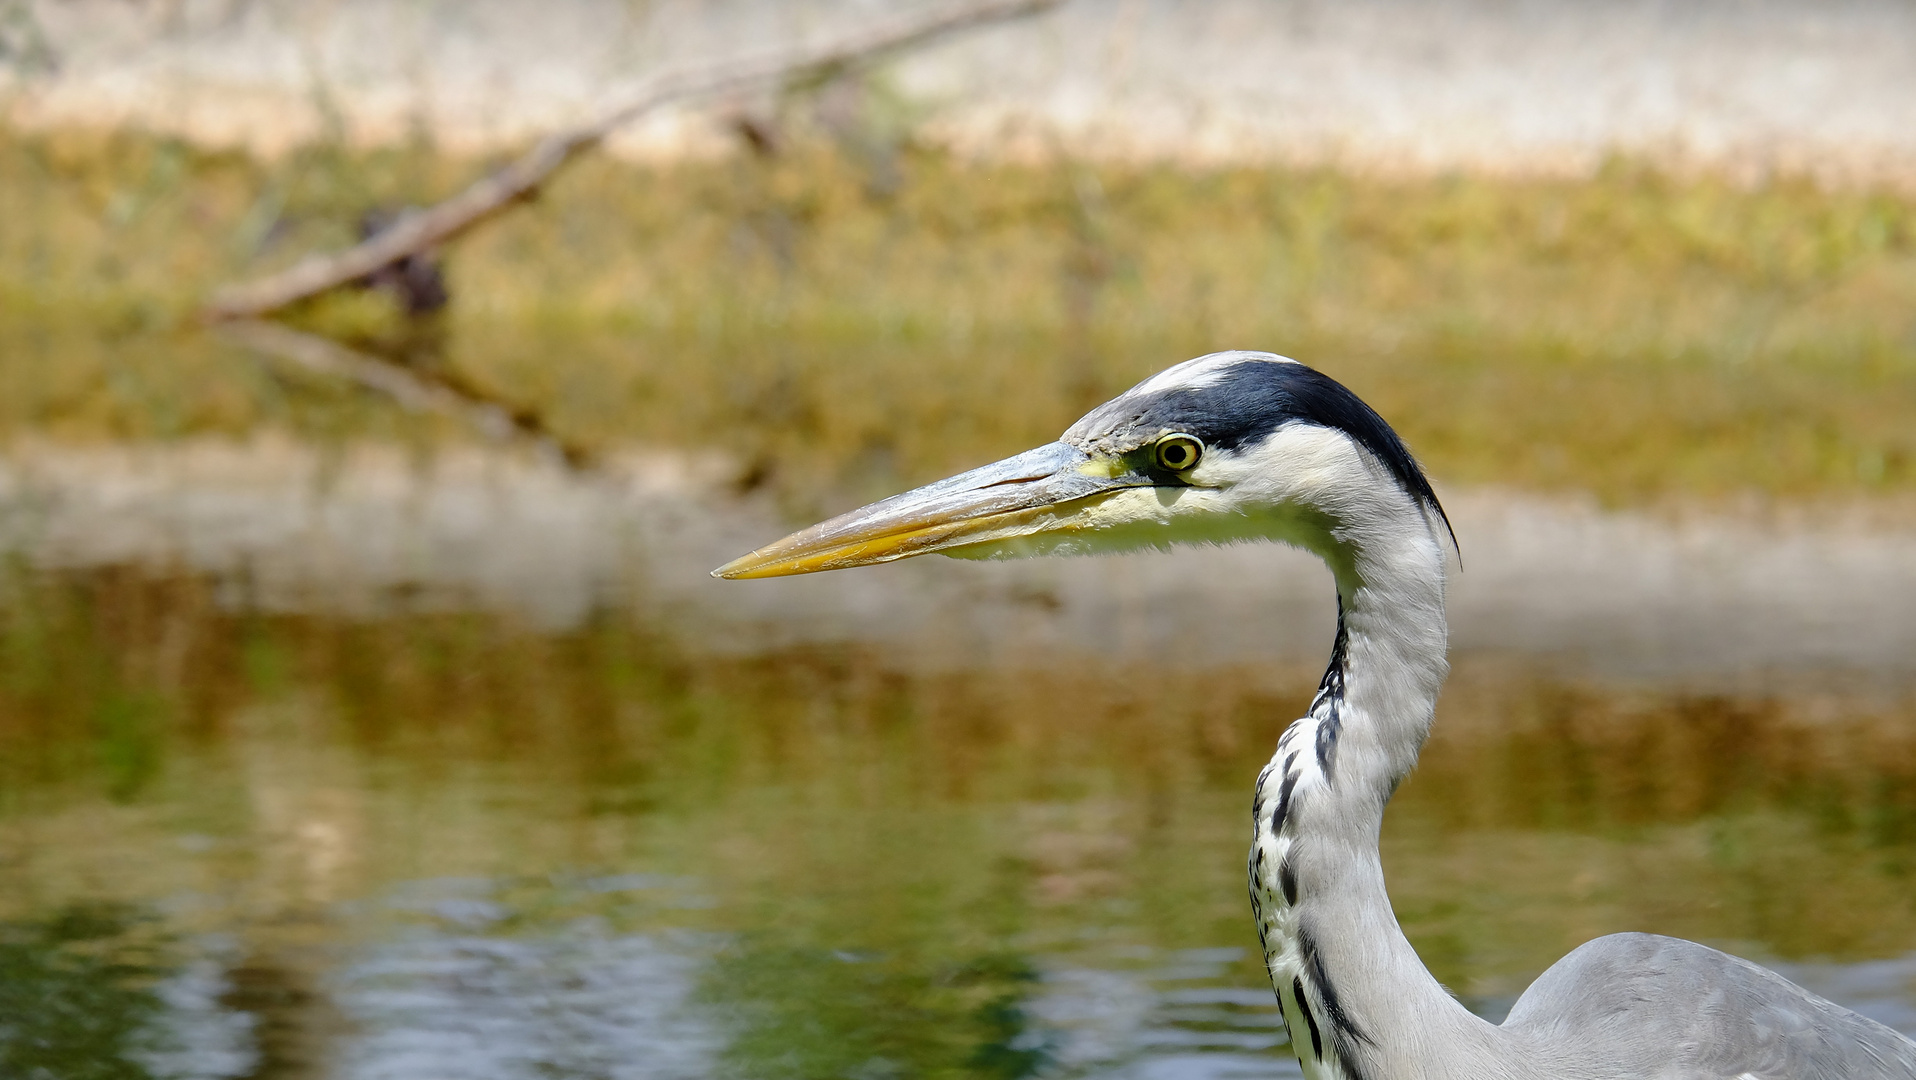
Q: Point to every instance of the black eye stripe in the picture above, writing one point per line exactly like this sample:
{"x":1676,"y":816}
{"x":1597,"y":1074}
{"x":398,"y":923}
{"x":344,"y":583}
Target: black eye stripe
{"x":1239,"y":402}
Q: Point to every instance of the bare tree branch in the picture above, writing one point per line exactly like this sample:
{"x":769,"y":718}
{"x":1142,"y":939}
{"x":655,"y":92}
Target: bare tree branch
{"x":491,"y":195}
{"x":412,"y":391}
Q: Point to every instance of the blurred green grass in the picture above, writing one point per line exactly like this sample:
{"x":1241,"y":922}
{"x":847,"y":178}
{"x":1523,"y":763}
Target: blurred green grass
{"x":843,"y":323}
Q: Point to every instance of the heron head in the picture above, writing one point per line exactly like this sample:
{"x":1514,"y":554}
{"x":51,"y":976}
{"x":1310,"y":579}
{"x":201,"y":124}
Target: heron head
{"x":1228,"y":447}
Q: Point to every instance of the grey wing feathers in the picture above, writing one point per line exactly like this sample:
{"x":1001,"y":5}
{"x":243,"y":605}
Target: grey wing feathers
{"x":1643,"y":1005}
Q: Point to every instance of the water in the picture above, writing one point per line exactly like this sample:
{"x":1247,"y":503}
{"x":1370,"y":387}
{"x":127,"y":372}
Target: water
{"x":368,"y":768}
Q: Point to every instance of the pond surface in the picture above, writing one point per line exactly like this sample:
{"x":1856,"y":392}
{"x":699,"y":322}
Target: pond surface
{"x":370,"y":770}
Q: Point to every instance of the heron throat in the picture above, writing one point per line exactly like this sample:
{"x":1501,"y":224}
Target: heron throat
{"x":1340,"y":964}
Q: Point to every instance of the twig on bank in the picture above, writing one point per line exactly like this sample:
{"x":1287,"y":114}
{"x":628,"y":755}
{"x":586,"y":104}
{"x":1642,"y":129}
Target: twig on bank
{"x":412,"y":391}
{"x":518,"y":181}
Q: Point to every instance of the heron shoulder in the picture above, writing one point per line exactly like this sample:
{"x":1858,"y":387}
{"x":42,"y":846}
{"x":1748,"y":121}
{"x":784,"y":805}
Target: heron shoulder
{"x":1646,"y":1005}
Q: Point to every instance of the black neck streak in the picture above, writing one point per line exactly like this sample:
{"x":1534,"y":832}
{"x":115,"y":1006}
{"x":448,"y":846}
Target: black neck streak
{"x":1328,"y":706}
{"x":1347,"y":1038}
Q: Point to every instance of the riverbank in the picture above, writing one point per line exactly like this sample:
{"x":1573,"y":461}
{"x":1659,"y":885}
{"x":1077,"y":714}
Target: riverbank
{"x":848,"y":321}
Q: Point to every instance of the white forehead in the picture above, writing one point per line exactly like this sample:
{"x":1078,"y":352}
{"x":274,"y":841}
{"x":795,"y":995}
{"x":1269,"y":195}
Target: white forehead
{"x":1203,"y":371}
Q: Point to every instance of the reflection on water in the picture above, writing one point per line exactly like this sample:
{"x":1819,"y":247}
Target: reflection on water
{"x":1180,"y":1014}
{"x":286,"y":843}
{"x":462,"y":992}
{"x":72,"y":995}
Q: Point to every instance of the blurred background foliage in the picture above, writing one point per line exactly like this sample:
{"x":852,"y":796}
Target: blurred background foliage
{"x":855,"y":311}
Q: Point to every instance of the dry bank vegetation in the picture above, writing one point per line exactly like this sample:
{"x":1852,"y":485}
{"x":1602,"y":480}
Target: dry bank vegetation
{"x":853,"y":310}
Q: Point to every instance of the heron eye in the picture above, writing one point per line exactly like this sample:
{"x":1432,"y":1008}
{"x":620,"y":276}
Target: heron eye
{"x":1179,"y":452}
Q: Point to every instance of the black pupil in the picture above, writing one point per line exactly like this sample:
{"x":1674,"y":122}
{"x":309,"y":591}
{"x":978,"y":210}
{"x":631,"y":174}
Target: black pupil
{"x":1177,"y":454}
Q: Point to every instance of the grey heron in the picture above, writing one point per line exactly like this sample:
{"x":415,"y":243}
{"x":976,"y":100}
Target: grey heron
{"x":1242,"y":446}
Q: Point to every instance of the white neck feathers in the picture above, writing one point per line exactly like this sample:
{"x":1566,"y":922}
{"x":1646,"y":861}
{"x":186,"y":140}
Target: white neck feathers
{"x":1358,"y":1001}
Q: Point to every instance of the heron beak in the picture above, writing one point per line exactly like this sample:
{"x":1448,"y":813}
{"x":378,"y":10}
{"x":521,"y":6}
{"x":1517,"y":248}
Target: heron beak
{"x":1039,"y":491}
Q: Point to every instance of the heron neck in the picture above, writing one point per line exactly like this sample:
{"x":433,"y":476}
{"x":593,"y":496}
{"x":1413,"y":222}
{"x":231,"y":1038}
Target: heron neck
{"x":1358,"y":1000}
{"x":1388,"y":662}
